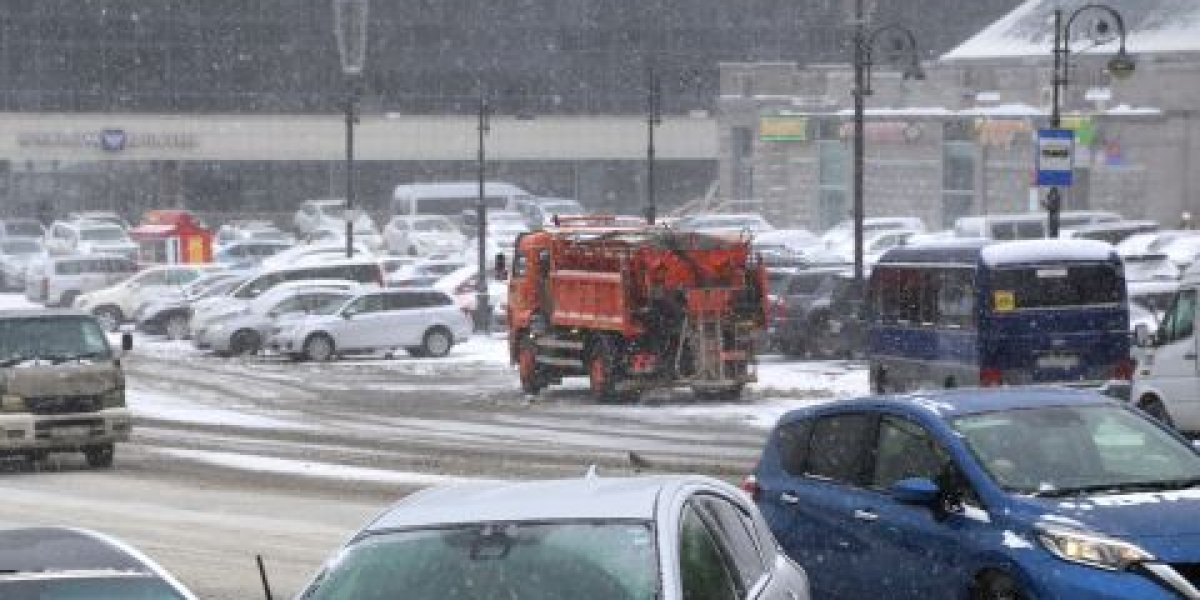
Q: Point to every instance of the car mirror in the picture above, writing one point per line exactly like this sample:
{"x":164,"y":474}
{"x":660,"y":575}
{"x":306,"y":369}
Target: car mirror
{"x":126,"y":342}
{"x":917,"y":491}
{"x":1142,"y":336}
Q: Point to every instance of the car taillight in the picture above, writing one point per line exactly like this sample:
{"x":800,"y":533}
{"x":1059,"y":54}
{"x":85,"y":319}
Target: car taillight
{"x":1124,"y":369}
{"x":989,"y":377}
{"x":750,"y":486}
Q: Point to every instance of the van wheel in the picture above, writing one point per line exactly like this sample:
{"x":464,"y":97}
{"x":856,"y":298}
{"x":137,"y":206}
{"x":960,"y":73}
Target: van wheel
{"x":318,"y":347}
{"x":176,"y":327}
{"x":245,"y":342}
{"x":110,"y":317}
{"x":1152,"y":406}
{"x":99,"y":456}
{"x":437,"y":342}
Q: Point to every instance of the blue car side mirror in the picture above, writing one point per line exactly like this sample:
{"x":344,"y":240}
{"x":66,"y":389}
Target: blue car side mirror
{"x":917,"y":491}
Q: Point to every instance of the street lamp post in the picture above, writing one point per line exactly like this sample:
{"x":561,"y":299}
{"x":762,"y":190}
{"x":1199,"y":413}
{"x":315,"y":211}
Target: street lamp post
{"x":1120,"y":66}
{"x":482,"y":306}
{"x":864,"y":43}
{"x":350,"y":29}
{"x":653,"y":120}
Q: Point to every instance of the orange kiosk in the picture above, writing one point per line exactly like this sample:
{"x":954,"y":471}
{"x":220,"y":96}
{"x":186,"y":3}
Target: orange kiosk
{"x":172,"y":237}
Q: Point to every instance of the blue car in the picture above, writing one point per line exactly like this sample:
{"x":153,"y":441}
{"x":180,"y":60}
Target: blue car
{"x":1033,"y":493}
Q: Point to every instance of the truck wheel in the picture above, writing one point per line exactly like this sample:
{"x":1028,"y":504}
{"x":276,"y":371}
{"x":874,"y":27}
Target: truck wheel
{"x":532,"y":380}
{"x":1152,"y":406}
{"x":100,"y":456}
{"x":602,"y":371}
{"x":318,"y":347}
{"x":176,"y":327}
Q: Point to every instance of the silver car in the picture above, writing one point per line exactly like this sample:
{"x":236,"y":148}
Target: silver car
{"x":15,"y":255}
{"x":424,"y":322}
{"x":245,"y":332}
{"x":668,"y":537}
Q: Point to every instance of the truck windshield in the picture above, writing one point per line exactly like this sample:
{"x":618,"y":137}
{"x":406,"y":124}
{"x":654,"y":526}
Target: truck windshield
{"x":59,"y":338}
{"x":1056,"y":286}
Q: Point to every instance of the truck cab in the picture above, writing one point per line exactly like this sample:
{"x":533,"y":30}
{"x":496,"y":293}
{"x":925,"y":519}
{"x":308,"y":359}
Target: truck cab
{"x":62,"y":388}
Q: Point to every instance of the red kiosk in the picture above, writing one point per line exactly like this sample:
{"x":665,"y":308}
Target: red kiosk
{"x":172,"y":237}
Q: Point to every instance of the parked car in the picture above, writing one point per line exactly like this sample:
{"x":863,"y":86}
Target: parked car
{"x":250,"y":230}
{"x":462,"y":285}
{"x":1113,"y":232}
{"x":814,"y":312}
{"x":1150,"y":267}
{"x":64,"y":390}
{"x":89,"y":237}
{"x":1013,"y":493}
{"x":245,"y":332}
{"x":1181,"y":250}
{"x":169,"y":314}
{"x":540,"y":212}
{"x":503,"y":229}
{"x":58,"y":280}
{"x":423,"y":322}
{"x":330,"y":215}
{"x":749,"y":223}
{"x":363,"y":271}
{"x":115,"y":304}
{"x":422,"y":235}
{"x":669,"y":537}
{"x":875,"y":244}
{"x":60,"y":563}
{"x":248,"y":254}
{"x":843,"y":232}
{"x":15,"y":255}
{"x":100,"y":216}
{"x":451,"y":198}
{"x":423,"y":273}
{"x":295,"y":254}
{"x":21,"y":228}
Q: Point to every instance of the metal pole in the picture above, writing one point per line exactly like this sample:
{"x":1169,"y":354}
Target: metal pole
{"x":1054,"y":196}
{"x":653,"y":118}
{"x":860,"y":60}
{"x":351,"y":101}
{"x":482,"y":308}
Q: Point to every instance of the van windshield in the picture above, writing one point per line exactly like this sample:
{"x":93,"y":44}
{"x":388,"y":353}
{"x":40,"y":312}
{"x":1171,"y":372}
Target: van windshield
{"x":57,"y":339}
{"x":1056,"y":286}
{"x":455,"y":206}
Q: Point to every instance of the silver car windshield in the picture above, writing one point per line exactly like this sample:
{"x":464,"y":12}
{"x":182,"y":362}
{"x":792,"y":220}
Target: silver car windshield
{"x":532,"y":561}
{"x":1065,"y":450}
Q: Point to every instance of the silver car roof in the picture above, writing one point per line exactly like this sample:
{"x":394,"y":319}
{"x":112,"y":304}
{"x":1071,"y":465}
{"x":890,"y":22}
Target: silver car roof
{"x":583,"y":498}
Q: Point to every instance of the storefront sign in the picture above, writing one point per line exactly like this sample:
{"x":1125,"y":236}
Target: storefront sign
{"x":108,"y":140}
{"x":887,"y":132}
{"x":783,"y":128}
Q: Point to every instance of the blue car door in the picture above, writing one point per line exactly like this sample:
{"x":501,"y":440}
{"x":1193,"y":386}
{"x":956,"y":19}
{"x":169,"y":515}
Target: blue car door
{"x":918,"y":550}
{"x":812,"y":501}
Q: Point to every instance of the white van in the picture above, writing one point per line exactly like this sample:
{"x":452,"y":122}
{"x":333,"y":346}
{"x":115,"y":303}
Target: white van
{"x":1166,"y":383}
{"x":452,"y":198}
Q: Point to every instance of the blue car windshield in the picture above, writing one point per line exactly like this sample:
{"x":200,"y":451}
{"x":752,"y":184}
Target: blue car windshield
{"x":604,"y":560}
{"x":1066,"y":450}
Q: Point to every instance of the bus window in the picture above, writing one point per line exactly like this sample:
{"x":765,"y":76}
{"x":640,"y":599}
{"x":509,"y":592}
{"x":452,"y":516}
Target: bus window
{"x":1056,"y":286}
{"x":956,"y":299}
{"x":905,"y":296}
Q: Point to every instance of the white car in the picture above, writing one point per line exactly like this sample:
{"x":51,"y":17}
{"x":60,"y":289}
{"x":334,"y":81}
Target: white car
{"x":89,"y":237}
{"x":58,"y":280}
{"x":735,"y":223}
{"x":422,"y":235}
{"x":330,"y":216}
{"x":423,"y":273}
{"x":15,"y":255}
{"x":245,"y":332}
{"x":304,"y":252}
{"x":423,"y":322}
{"x":116,"y":304}
{"x":462,"y":285}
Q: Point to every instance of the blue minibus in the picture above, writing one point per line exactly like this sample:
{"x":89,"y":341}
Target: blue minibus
{"x":980,"y":313}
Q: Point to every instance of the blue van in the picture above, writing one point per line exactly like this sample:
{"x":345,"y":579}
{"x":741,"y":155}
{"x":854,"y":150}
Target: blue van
{"x":1017,"y":493}
{"x":973,"y":312}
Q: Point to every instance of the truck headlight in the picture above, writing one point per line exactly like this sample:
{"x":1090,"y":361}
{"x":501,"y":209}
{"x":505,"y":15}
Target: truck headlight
{"x":114,"y":398}
{"x":1092,"y":549}
{"x":10,"y":403}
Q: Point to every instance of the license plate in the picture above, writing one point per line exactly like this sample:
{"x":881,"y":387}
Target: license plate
{"x":1058,"y":361}
{"x":74,"y":431}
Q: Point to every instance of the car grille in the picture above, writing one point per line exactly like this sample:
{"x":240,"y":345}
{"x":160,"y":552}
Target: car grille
{"x":59,"y":405}
{"x":1190,"y":571}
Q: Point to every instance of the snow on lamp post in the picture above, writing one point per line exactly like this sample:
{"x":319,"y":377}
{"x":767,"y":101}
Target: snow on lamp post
{"x":350,"y":29}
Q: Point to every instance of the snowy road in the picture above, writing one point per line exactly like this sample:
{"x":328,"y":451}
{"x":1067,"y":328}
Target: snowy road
{"x":299,"y":454}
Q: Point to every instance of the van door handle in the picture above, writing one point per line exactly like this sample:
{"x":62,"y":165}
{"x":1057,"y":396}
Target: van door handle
{"x":866,"y":515}
{"x":789,"y":498}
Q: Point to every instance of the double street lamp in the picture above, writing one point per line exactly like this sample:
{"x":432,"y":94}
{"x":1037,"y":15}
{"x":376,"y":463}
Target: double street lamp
{"x":350,"y":29}
{"x":864,"y":44}
{"x":653,"y":120}
{"x":1120,"y":66}
{"x":483,"y":309}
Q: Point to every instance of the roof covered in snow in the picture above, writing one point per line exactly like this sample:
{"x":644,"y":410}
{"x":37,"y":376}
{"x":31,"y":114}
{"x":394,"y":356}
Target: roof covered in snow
{"x":1154,"y":26}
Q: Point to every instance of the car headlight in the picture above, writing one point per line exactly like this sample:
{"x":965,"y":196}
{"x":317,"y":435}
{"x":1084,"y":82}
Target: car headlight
{"x":114,"y":398}
{"x":10,"y":403}
{"x":1091,"y":549}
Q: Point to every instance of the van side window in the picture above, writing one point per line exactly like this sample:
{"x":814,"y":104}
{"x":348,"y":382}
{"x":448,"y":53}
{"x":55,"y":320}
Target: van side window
{"x":1179,"y":322}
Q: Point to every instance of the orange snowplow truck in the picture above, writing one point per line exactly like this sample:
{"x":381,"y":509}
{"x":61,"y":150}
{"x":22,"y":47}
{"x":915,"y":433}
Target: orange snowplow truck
{"x":633,"y":308}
